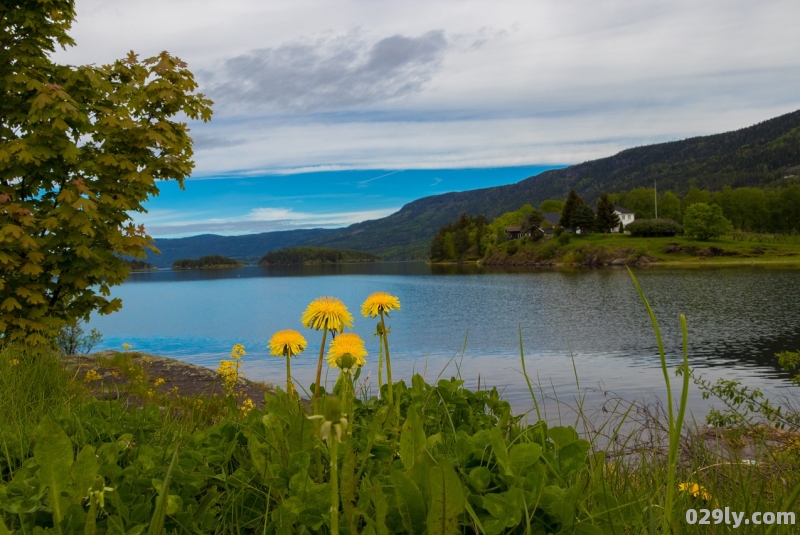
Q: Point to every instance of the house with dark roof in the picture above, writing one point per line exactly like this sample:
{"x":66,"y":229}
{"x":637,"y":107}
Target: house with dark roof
{"x":626,"y":217}
{"x":514,"y":232}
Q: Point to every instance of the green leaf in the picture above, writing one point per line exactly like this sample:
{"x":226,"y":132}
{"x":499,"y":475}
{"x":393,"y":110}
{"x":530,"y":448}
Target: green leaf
{"x":410,"y":502}
{"x":412,"y":439}
{"x":500,"y":451}
{"x":447,"y":500}
{"x":562,"y":436}
{"x":159,"y":515}
{"x":83,"y":473}
{"x":53,"y":453}
{"x":522,"y":456}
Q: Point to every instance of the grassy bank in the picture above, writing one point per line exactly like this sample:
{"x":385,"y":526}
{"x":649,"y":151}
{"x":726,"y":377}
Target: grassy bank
{"x":614,"y":249}
{"x":81,"y":458}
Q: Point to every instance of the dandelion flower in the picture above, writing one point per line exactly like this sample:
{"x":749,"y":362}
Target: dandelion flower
{"x":327,"y":313}
{"x":160,"y":381}
{"x":126,"y":346}
{"x":379,"y":303}
{"x":697,"y":491}
{"x":288,"y":343}
{"x":347,"y":344}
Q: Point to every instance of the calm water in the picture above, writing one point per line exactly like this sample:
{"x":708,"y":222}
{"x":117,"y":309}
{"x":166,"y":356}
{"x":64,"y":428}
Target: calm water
{"x":738,"y":319}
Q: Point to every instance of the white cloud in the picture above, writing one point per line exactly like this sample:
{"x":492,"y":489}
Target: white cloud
{"x":459,"y":83}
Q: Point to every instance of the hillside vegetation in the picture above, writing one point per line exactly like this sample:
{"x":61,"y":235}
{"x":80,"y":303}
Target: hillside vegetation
{"x":315,"y":255}
{"x":764,"y":155}
{"x":206,"y":262}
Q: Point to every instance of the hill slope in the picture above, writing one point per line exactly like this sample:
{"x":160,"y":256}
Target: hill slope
{"x":758,"y":155}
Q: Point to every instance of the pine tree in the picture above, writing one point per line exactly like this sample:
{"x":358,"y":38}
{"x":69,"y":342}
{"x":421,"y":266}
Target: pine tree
{"x":606,"y":218}
{"x":572,"y":202}
{"x":583,"y":218}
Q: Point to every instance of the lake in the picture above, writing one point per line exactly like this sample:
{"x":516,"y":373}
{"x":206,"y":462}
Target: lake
{"x":466,"y":320}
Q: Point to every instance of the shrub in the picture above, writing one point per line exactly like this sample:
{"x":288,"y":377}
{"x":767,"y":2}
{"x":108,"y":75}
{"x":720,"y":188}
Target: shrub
{"x":705,"y":222}
{"x":654,"y":227}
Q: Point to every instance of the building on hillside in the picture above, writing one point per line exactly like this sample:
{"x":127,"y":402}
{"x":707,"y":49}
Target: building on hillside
{"x":626,"y":217}
{"x":514,"y":233}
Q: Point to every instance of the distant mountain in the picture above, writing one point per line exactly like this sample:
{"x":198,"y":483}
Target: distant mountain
{"x":758,"y":155}
{"x":247,"y":248}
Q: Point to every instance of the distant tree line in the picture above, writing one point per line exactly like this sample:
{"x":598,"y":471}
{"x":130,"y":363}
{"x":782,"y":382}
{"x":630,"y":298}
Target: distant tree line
{"x":205,"y":262}
{"x":773,"y":210}
{"x":315,"y":255}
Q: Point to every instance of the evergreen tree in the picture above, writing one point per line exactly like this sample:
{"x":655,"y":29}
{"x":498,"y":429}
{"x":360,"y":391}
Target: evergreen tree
{"x":607,"y":217}
{"x":572,"y":202}
{"x":583,"y":218}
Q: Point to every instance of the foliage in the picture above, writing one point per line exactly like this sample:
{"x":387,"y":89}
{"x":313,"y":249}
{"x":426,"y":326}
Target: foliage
{"x":606,"y":218}
{"x":705,"y":222}
{"x":583,"y":219}
{"x":72,"y":340}
{"x":464,"y":238}
{"x":552,"y":205}
{"x":206,"y":262}
{"x":567,"y":212}
{"x":315,"y":255}
{"x":81,"y":148}
{"x":138,"y":265}
{"x":654,"y":227}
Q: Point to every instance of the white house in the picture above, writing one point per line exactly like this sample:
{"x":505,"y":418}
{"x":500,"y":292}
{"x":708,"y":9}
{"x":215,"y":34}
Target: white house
{"x":626,"y":217}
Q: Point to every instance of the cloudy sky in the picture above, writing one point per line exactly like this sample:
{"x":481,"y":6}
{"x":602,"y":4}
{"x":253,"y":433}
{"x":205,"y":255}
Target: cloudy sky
{"x":313,"y":99}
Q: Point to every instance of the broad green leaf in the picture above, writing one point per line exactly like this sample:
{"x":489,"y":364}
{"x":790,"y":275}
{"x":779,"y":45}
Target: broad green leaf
{"x":156,"y":526}
{"x":83,"y":473}
{"x":410,"y":502}
{"x":522,"y":456}
{"x":562,"y":436}
{"x":412,"y":439}
{"x":500,"y":451}
{"x":53,"y":453}
{"x":447,"y":500}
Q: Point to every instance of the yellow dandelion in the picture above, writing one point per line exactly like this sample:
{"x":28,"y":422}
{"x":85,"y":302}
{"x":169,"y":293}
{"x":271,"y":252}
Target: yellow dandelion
{"x":288,"y":343}
{"x":347,"y":344}
{"x":327,"y":313}
{"x":160,"y":381}
{"x":126,"y":347}
{"x":697,"y":491}
{"x":379,"y":303}
{"x":91,"y":376}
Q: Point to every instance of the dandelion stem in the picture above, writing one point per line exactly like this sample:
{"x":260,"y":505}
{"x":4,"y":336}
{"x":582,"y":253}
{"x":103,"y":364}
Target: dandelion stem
{"x":380,"y":364}
{"x":333,"y":448}
{"x":388,"y":362}
{"x":319,"y":371}
{"x":288,"y":373}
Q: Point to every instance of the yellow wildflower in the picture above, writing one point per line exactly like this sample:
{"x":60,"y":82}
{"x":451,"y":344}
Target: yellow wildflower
{"x":697,"y":491}
{"x":160,"y":381}
{"x":247,"y":406}
{"x":327,"y":313}
{"x":175,"y":390}
{"x":91,"y":376}
{"x":126,"y":347}
{"x":287,"y":343}
{"x":347,"y":344}
{"x":13,"y":362}
{"x":379,"y":302}
{"x":238,"y":352}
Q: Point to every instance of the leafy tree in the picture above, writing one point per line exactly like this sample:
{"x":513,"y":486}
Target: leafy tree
{"x":533,"y":221}
{"x":81,"y":148}
{"x":695,"y":195}
{"x":607,"y":217}
{"x":552,"y":205}
{"x":72,"y":340}
{"x":570,"y":205}
{"x":583,"y":218}
{"x":705,"y":222}
{"x":669,"y":207}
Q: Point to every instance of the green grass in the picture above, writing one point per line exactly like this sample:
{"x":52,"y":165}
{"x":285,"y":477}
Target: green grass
{"x":605,"y":249}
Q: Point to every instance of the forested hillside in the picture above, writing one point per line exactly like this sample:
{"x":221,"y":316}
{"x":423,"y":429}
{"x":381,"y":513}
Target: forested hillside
{"x":766,"y":154}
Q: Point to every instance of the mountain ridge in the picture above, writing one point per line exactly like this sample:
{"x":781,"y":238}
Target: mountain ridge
{"x":758,"y":155}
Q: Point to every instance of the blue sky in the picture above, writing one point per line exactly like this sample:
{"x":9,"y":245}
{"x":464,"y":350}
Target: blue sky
{"x":241,"y":205}
{"x":350,"y":89}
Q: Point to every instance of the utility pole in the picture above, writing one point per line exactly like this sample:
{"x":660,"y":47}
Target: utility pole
{"x":655,"y":196}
